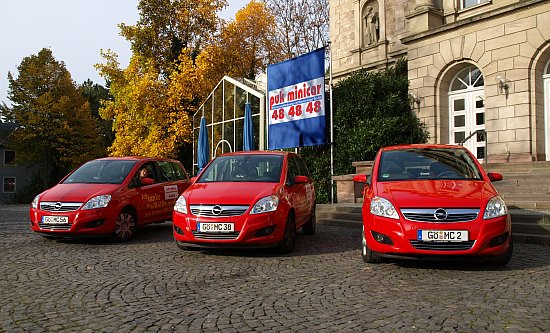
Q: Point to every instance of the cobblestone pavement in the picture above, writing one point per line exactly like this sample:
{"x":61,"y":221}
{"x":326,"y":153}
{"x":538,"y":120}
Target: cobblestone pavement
{"x":149,"y":285}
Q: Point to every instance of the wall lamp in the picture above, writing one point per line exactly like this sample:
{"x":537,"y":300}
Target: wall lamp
{"x":415,"y":99}
{"x":503,"y":85}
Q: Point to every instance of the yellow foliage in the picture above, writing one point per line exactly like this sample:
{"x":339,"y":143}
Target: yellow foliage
{"x":147,"y":114}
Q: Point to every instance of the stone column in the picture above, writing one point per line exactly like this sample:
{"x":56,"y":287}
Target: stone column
{"x":424,"y":4}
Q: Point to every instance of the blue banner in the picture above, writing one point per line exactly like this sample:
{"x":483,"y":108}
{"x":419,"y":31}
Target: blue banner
{"x":296,"y":97}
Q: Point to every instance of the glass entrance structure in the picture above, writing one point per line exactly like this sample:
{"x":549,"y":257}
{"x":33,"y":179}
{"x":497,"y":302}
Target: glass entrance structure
{"x":224,"y":113}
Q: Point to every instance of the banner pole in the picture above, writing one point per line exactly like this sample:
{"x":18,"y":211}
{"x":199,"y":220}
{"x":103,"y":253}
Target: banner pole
{"x":331,"y":128}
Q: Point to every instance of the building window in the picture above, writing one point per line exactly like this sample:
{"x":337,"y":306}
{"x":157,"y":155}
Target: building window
{"x":9,"y":157}
{"x":9,"y":184}
{"x":471,"y":3}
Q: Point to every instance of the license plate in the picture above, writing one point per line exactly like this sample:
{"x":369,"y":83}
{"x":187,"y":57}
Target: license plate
{"x":55,"y":219}
{"x":219,"y":227}
{"x":442,"y":235}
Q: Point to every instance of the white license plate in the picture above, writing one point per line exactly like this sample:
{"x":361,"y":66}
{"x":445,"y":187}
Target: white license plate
{"x":55,"y":219}
{"x":442,"y":235}
{"x":219,"y":227}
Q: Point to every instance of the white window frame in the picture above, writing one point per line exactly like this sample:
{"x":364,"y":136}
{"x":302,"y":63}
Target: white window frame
{"x":4,"y":184}
{"x":478,"y":2}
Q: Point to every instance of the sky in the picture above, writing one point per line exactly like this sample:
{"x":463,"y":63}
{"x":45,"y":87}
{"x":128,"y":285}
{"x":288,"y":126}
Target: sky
{"x":75,"y":31}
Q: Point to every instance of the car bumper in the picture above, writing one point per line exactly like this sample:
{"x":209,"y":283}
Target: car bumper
{"x":486,"y":238}
{"x":258,"y":230}
{"x":91,"y":222}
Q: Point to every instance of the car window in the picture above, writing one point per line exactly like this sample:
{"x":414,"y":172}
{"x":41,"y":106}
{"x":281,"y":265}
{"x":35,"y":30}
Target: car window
{"x":179,"y":171}
{"x":427,"y":163}
{"x":243,"y":168}
{"x":301,"y":166}
{"x":101,"y":172}
{"x":293,"y":170}
{"x":166,"y":172}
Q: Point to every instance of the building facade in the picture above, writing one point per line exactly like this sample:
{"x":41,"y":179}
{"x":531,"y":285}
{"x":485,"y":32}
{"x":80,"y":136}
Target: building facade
{"x":14,"y":176}
{"x":479,"y":70}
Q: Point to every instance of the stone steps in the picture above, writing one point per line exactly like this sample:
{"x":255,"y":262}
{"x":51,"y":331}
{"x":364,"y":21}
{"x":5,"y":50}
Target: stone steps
{"x":530,"y":226}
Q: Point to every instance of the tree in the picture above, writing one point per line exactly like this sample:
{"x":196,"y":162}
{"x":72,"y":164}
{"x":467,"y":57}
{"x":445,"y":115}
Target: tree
{"x":56,"y":128}
{"x":149,"y":118}
{"x":244,"y":48}
{"x":302,"y":25}
{"x":95,"y":94}
{"x":166,"y":27}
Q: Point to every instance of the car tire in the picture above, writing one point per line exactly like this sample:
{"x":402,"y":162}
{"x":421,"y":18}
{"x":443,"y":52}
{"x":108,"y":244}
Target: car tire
{"x":125,"y":226}
{"x":504,"y":259}
{"x":286,"y":245}
{"x":366,"y":253}
{"x":311,"y":224}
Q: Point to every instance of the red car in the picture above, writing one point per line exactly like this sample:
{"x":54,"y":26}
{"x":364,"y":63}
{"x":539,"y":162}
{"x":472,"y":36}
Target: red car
{"x":110,"y":196}
{"x":433,"y":201}
{"x":247,"y":199}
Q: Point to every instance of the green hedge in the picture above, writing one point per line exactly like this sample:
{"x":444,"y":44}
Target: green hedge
{"x":371,"y":110}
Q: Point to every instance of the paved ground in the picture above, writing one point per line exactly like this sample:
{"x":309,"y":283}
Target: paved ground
{"x":150,"y":285}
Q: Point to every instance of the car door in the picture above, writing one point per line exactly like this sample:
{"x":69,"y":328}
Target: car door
{"x":308,"y":187}
{"x":297,"y":192}
{"x":150,"y":191}
{"x":173,"y":181}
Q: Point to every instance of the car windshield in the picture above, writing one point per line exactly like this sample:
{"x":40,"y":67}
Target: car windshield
{"x":427,"y":163}
{"x":101,"y":172}
{"x":244,"y":168}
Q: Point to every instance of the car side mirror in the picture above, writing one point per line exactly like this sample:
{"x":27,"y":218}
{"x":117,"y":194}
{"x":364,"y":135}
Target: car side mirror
{"x":300,"y":180}
{"x":147,"y":181}
{"x":494,"y":176}
{"x":360,"y":179}
{"x":193,"y":179}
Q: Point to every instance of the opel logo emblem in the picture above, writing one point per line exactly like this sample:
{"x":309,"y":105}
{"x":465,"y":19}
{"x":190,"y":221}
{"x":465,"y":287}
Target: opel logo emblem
{"x":217,"y":210}
{"x":57,"y":206}
{"x":440,"y":214}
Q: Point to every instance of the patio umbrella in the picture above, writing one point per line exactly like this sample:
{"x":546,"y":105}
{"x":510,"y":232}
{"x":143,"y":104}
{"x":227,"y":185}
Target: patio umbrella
{"x":203,"y":151}
{"x":248,"y":137}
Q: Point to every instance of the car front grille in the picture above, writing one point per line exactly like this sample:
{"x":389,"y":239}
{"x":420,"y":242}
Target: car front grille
{"x":217,"y":210}
{"x":224,"y":236}
{"x":54,"y":227}
{"x":429,"y":214}
{"x":60,"y":206}
{"x":442,"y":246}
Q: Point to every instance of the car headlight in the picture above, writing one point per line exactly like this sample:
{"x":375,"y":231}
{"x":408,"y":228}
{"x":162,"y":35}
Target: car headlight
{"x":181,"y":205}
{"x":495,"y":208}
{"x":101,"y":201}
{"x":264,"y":205}
{"x":382,"y":207}
{"x":34,"y":203}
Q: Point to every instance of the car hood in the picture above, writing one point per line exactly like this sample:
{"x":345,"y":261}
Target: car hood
{"x":77,"y":192}
{"x":436,"y":193}
{"x":229,"y":193}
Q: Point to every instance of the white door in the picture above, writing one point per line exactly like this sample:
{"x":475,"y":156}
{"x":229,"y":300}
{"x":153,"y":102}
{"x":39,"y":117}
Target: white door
{"x":467,"y":112}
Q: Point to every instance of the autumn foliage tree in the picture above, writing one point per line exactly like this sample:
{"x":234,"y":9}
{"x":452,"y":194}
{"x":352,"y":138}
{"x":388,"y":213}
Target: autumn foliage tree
{"x":244,"y":47}
{"x":56,"y":128}
{"x":180,"y":51}
{"x":166,"y":27}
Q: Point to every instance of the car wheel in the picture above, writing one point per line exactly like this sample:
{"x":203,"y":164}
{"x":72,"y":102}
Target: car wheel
{"x":366,"y":253}
{"x":311,"y":225}
{"x":125,"y":226}
{"x":504,"y":259}
{"x":289,"y":237}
